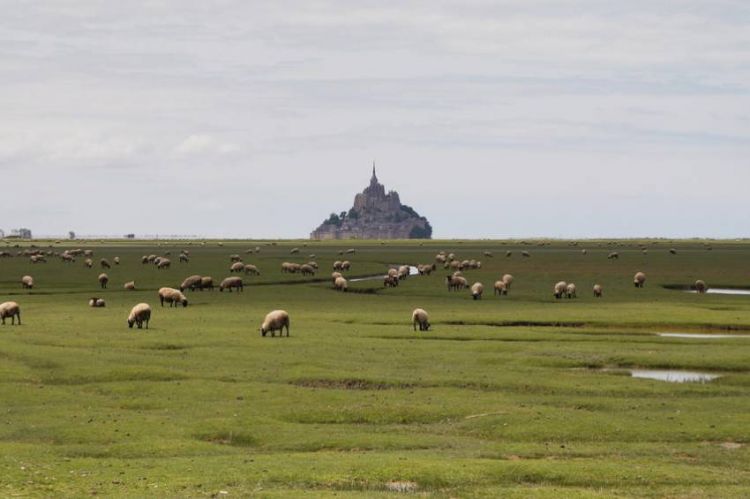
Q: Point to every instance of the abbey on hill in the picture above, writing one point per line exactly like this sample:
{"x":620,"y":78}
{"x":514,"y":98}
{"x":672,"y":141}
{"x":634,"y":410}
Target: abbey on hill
{"x":375,"y":215}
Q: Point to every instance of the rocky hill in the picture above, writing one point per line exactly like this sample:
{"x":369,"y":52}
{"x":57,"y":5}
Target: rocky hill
{"x":375,"y":215}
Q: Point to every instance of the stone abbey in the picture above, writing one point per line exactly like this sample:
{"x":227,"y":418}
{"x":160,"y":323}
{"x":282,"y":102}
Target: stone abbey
{"x":375,"y":215}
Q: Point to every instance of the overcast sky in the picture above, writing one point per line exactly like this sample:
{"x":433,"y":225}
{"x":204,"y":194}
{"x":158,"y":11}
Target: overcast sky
{"x":492,"y":118}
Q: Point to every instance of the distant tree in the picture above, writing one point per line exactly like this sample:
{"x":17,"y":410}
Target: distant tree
{"x":342,"y":215}
{"x":421,"y":233}
{"x":334,"y":220}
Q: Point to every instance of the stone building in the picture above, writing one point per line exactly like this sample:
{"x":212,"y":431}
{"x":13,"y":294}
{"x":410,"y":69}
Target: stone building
{"x":375,"y":215}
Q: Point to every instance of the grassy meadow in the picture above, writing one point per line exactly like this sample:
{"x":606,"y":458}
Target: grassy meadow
{"x":514,"y":396}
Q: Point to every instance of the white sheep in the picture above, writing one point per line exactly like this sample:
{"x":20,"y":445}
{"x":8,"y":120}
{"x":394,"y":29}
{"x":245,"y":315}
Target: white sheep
{"x":105,"y":263}
{"x":172,"y":296}
{"x":639,"y":279}
{"x":88,"y":262}
{"x":192,"y":283}
{"x":276,"y":320}
{"x":207,"y":282}
{"x":560,"y":289}
{"x":163,"y":263}
{"x":12,"y":310}
{"x":251,"y":269}
{"x":500,"y":288}
{"x":346,"y":265}
{"x":237,"y":267}
{"x":307,"y":269}
{"x":456,"y":283}
{"x":103,"y":280}
{"x":598,"y":290}
{"x":700,"y":286}
{"x":341,"y":284}
{"x":231,"y":282}
{"x":130,"y":286}
{"x":420,"y":318}
{"x":476,"y":290}
{"x":508,"y":280}
{"x":335,"y":275}
{"x":570,"y":290}
{"x":97,"y":302}
{"x":116,"y":260}
{"x":27,"y":282}
{"x":139,"y":314}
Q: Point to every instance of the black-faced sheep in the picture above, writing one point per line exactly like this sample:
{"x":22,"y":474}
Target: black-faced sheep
{"x":598,"y":290}
{"x":420,"y":318}
{"x":103,"y":280}
{"x":700,"y":286}
{"x":570,"y":290}
{"x":476,"y":290}
{"x":560,"y":289}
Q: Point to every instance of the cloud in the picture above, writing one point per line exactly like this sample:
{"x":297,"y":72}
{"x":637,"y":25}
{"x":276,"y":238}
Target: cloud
{"x":202,"y":145}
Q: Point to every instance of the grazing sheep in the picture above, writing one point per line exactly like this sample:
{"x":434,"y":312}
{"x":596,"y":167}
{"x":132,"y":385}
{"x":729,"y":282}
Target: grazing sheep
{"x":598,"y":290}
{"x":207,"y":282}
{"x":172,"y":296}
{"x":508,"y":280}
{"x":500,"y":288}
{"x":525,"y":254}
{"x":350,"y":251}
{"x":346,"y":265}
{"x":88,"y":253}
{"x":307,"y":269}
{"x":163,"y":263}
{"x":231,"y":282}
{"x":403,"y":272}
{"x":235,"y":258}
{"x":12,"y":310}
{"x":456,"y":283}
{"x":130,"y":286}
{"x":335,"y":275}
{"x":105,"y":263}
{"x":420,"y":318}
{"x":116,"y":260}
{"x":508,"y":254}
{"x":275,"y":321}
{"x":37,"y":259}
{"x":341,"y":284}
{"x":451,"y":257}
{"x":560,"y":289}
{"x":192,"y":283}
{"x":672,"y":251}
{"x":337,"y":265}
{"x":570,"y":290}
{"x":390,"y":281}
{"x":144,"y":259}
{"x":476,"y":290}
{"x":151,"y":258}
{"x":393,"y":273}
{"x":700,"y":286}
{"x":488,"y":254}
{"x":27,"y":282}
{"x":184,"y":258}
{"x":97,"y":302}
{"x":237,"y":267}
{"x":294,"y":251}
{"x":66,"y":257}
{"x":88,"y":262}
{"x":251,"y":269}
{"x":639,"y":279}
{"x":613,"y":256}
{"x":584,"y":251}
{"x":139,"y":314}
{"x":440,"y":258}
{"x":103,"y":280}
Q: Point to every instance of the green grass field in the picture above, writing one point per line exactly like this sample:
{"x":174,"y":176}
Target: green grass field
{"x":519,"y":396}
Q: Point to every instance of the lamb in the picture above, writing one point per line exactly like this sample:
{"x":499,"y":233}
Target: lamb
{"x":97,"y":302}
{"x":192,"y":283}
{"x":27,"y":282}
{"x":105,"y":263}
{"x":307,"y":269}
{"x":207,"y":282}
{"x":700,"y":286}
{"x":341,"y":284}
{"x":570,"y":290}
{"x":420,"y":317}
{"x":276,"y":320}
{"x":237,"y":267}
{"x":476,"y":290}
{"x":231,"y":282}
{"x":103,"y":280}
{"x":500,"y":288}
{"x":12,"y":310}
{"x":639,"y":279}
{"x":456,"y":283}
{"x":598,"y":290}
{"x":139,"y":314}
{"x":251,"y":269}
{"x":130,"y":286}
{"x":560,"y":289}
{"x":163,"y":263}
{"x":172,"y":296}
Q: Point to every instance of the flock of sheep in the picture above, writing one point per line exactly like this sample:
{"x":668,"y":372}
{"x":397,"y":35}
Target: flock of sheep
{"x":278,"y":320}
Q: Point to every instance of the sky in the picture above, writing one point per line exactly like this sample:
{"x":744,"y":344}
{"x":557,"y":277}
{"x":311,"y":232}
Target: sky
{"x":493,"y":119}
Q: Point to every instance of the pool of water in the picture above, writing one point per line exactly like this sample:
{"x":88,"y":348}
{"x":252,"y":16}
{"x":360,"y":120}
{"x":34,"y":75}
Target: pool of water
{"x":674,"y":376}
{"x":723,"y":291}
{"x":699,"y":336}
